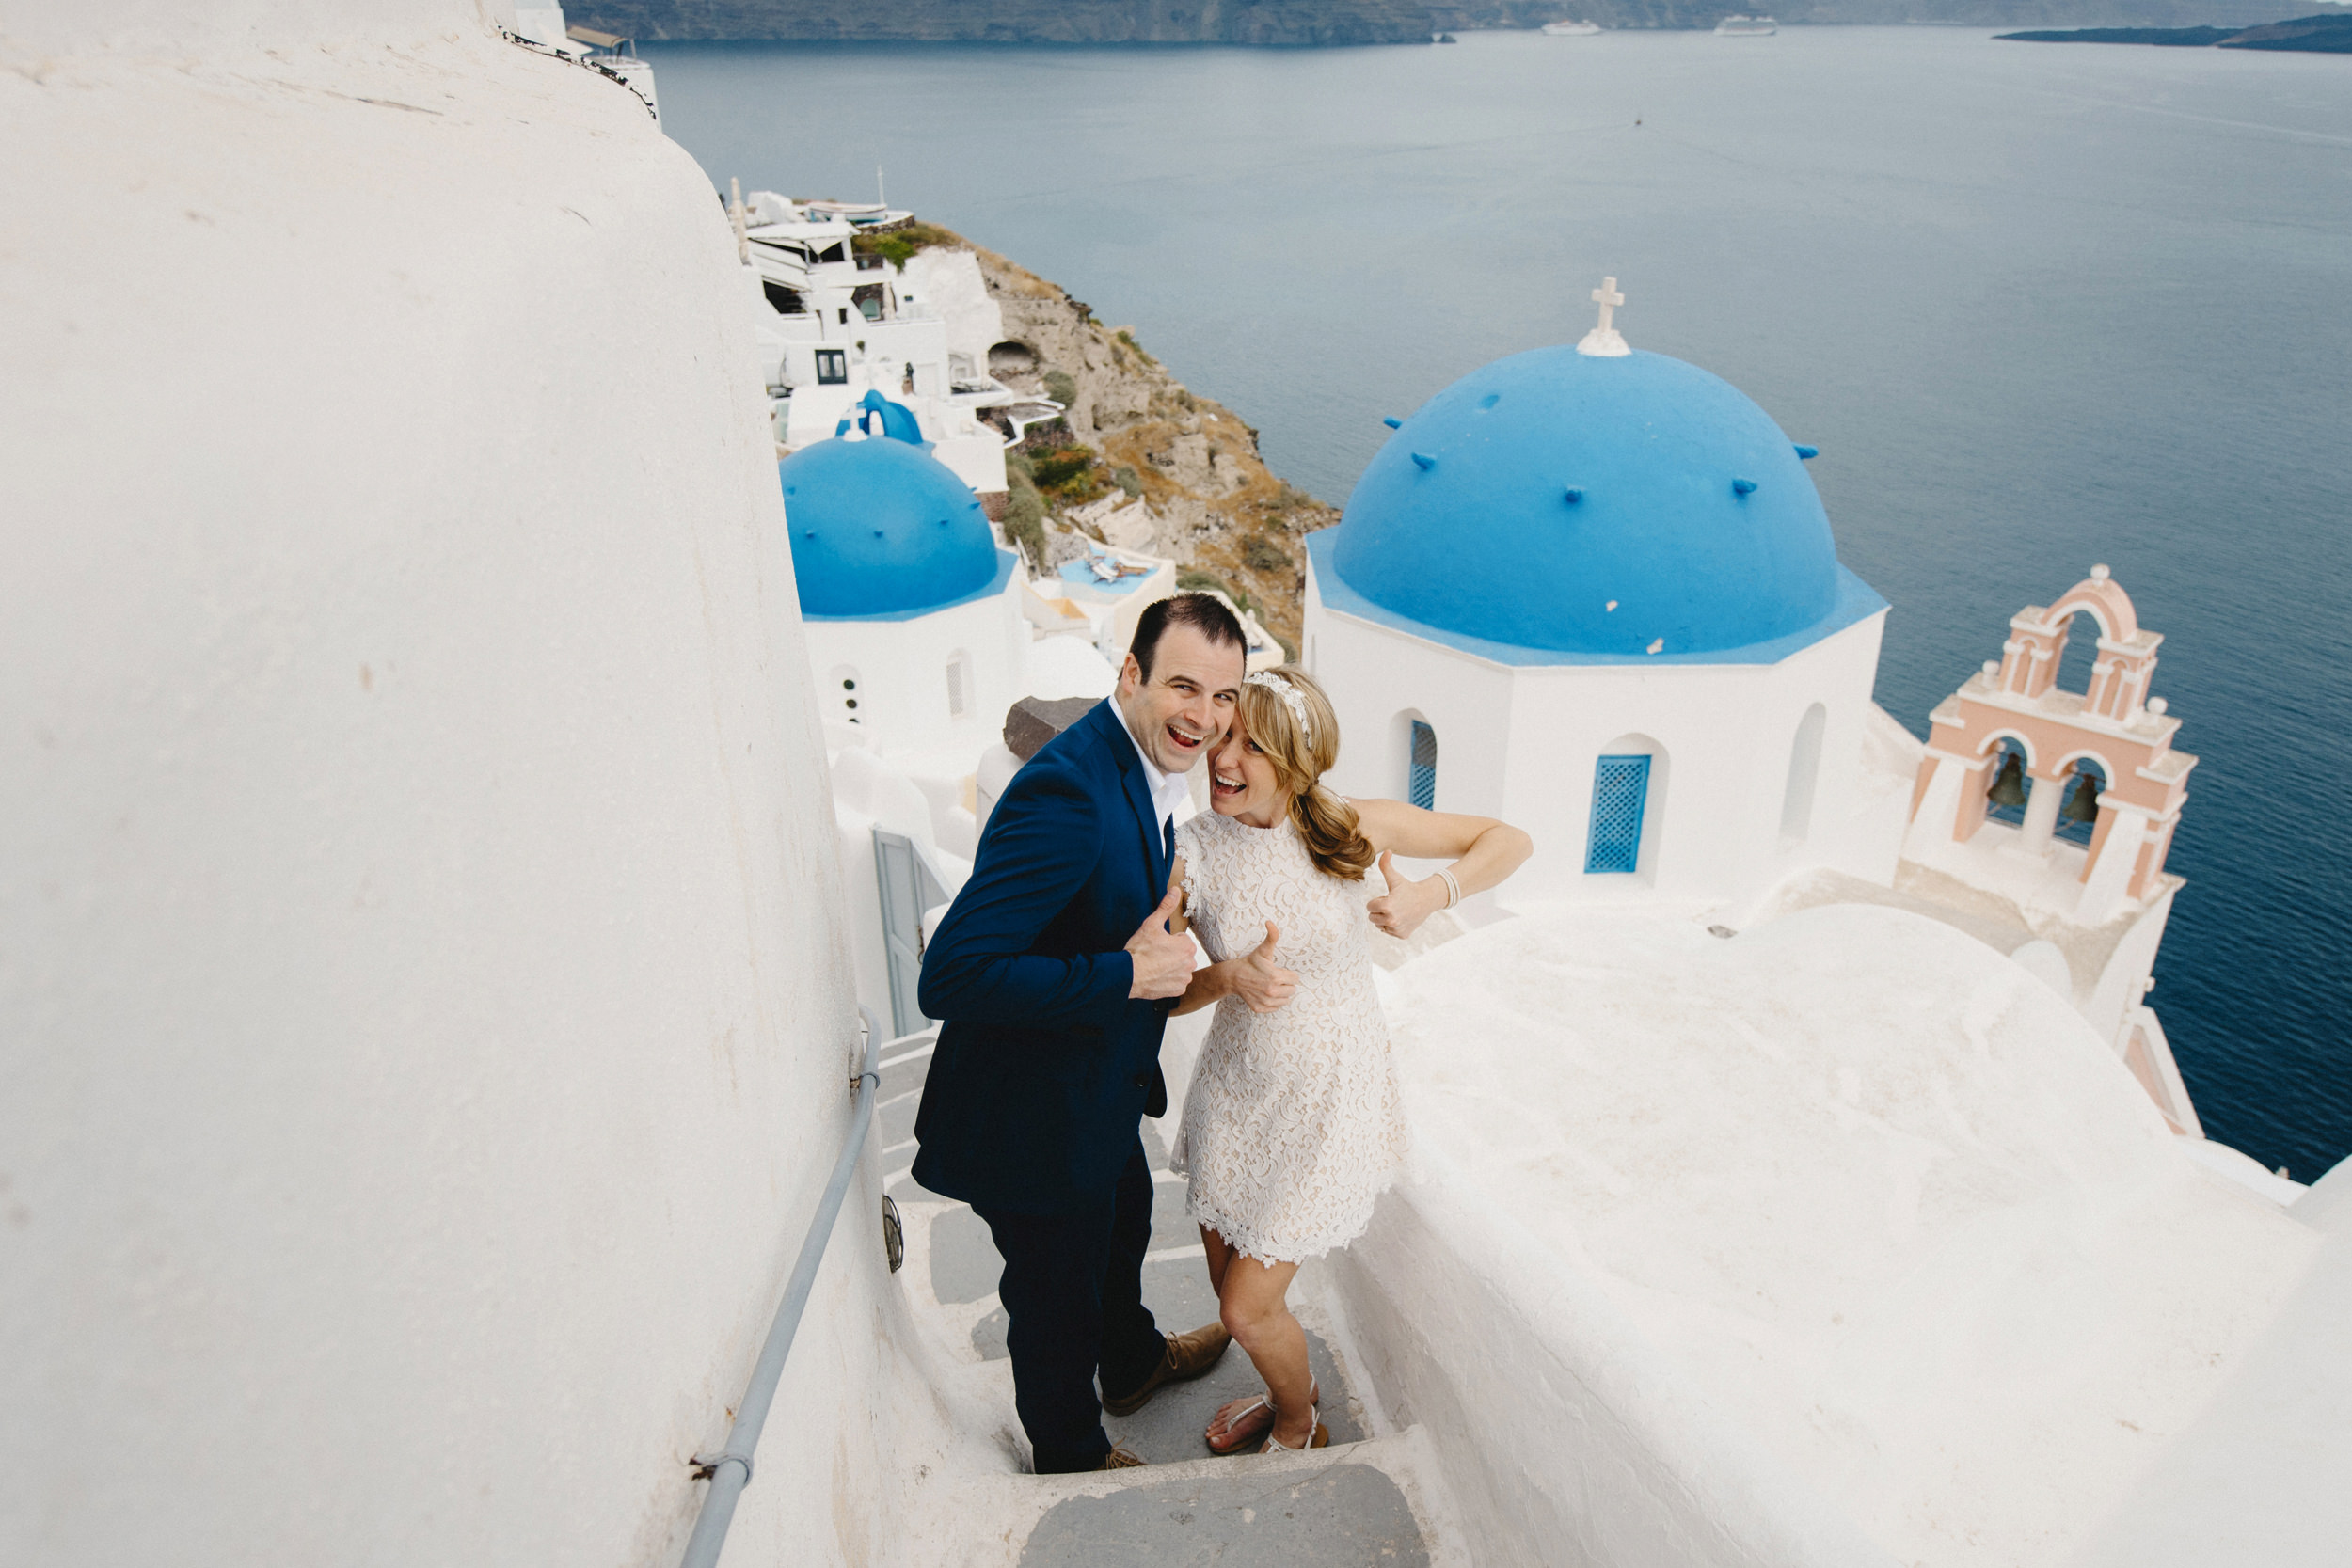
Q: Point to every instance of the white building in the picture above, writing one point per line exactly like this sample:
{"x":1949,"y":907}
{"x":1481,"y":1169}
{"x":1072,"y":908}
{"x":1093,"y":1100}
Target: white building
{"x":832,"y":324}
{"x":1596,"y":589}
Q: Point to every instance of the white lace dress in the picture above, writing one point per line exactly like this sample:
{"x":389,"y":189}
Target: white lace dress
{"x":1294,"y":1126}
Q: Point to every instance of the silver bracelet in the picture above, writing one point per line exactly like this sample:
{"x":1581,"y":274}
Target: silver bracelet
{"x":1453,"y":888}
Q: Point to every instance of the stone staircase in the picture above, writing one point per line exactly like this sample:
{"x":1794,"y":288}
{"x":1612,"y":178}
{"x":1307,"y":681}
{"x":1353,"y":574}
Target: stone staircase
{"x":1366,"y":1500}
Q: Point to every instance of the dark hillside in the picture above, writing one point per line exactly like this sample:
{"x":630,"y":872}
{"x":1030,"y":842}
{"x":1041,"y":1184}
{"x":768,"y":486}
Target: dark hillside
{"x":1290,"y":23}
{"x":2310,"y":35}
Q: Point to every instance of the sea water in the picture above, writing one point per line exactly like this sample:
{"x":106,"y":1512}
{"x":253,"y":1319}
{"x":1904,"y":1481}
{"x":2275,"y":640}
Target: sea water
{"x":2039,"y":307}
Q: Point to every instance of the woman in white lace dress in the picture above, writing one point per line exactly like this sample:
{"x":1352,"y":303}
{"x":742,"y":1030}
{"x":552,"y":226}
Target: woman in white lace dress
{"x":1293,"y":1127}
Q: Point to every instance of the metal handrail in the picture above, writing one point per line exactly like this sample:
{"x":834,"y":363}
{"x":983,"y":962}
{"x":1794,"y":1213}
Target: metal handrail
{"x":729,"y":1470}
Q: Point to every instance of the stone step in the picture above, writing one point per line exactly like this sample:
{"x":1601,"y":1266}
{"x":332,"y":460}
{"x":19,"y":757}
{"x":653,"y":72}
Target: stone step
{"x":1352,"y":1503}
{"x":1333,"y":1507}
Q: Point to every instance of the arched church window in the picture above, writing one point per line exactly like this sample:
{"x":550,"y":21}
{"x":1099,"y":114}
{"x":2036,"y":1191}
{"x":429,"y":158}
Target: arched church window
{"x":1620,"y":794}
{"x":1804,"y":770}
{"x":1420,"y":779}
{"x":2008,"y":783}
{"x":2079,"y":809}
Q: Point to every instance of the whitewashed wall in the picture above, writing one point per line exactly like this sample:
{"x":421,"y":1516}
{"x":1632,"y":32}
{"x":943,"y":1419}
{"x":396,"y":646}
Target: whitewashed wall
{"x":424,"y":1015}
{"x":901,"y":672}
{"x":1520,"y":743}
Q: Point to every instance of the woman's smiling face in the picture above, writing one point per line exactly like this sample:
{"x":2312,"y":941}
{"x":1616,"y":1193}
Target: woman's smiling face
{"x":1242,"y":780}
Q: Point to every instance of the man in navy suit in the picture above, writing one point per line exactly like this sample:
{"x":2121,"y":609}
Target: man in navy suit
{"x":1053,"y":975}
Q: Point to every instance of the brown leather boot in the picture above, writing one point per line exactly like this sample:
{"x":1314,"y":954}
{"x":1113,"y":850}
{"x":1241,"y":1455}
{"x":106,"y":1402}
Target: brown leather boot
{"x":1187,"y":1356}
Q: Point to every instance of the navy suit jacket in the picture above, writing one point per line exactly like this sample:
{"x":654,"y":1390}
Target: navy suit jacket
{"x":1044,"y":1065}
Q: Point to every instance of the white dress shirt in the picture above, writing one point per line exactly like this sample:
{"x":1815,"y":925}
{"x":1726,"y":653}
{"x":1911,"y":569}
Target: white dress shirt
{"x":1168,"y":790}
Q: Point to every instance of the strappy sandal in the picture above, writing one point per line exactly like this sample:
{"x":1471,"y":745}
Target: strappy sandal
{"x":1319,"y":1438}
{"x":1252,"y":1444}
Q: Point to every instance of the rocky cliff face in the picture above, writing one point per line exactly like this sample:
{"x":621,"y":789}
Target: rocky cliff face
{"x":1215,"y":508}
{"x":1245,"y":21}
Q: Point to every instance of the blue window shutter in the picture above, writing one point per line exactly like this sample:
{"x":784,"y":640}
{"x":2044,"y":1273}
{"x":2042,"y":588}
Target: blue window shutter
{"x":1422,"y":782}
{"x":1620,"y":788}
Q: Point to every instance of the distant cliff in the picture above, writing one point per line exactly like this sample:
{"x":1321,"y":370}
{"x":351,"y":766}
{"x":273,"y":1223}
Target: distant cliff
{"x":1459,"y":15}
{"x":2308,"y":35}
{"x":1290,"y":23}
{"x":1312,"y":23}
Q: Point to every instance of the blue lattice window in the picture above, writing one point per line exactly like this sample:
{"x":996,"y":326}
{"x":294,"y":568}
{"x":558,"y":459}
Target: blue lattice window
{"x":1421,"y":782}
{"x":1620,"y":789}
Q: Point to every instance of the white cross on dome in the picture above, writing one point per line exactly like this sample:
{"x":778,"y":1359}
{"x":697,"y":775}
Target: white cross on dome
{"x":1605,"y":341}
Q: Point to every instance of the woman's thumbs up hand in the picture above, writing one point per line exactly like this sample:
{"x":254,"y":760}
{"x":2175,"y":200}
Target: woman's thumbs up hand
{"x":1261,"y":981}
{"x":1399,"y":910}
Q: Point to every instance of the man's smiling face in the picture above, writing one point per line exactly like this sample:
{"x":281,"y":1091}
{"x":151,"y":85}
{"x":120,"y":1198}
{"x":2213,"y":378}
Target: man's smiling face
{"x":1179,"y":710}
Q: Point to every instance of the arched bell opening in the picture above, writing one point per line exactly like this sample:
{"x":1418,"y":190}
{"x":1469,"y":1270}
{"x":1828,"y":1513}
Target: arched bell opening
{"x":2008,"y":785}
{"x":2079,"y":660}
{"x":2079,"y":809}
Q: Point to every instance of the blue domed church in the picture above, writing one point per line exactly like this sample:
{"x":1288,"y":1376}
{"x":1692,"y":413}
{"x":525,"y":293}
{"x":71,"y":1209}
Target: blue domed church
{"x":904,"y":592}
{"x":1596,"y":588}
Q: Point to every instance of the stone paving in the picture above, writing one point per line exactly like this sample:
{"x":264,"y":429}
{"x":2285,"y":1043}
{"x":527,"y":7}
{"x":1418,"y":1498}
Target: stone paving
{"x":1337,"y":1506}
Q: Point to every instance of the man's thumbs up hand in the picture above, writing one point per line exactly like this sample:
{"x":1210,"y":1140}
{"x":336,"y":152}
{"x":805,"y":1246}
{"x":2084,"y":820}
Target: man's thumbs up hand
{"x":1163,"y":960}
{"x":1261,"y":981}
{"x":1399,"y":910}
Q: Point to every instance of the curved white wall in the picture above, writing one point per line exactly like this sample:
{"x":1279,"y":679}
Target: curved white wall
{"x":424,"y":1012}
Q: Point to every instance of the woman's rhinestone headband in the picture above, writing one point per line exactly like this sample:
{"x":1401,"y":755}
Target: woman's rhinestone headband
{"x":1290,"y":700}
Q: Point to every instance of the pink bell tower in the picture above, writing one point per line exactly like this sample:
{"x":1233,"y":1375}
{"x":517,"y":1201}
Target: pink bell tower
{"x":2087,"y":918}
{"x":2114,"y":736}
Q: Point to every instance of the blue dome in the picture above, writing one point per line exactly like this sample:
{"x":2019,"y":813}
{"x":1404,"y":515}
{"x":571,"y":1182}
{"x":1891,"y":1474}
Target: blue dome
{"x":896,"y":419}
{"x":1596,"y":507}
{"x":882,"y":528}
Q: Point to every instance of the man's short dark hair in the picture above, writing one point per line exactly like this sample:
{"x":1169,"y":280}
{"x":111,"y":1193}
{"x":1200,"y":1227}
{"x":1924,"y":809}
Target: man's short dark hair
{"x":1202,"y":612}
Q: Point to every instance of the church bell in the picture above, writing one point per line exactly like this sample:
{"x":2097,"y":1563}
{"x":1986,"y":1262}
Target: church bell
{"x":2082,"y":801}
{"x":2008,"y":785}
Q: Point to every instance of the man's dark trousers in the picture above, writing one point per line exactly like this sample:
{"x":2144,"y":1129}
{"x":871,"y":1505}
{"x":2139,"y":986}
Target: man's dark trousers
{"x":1072,"y":1294}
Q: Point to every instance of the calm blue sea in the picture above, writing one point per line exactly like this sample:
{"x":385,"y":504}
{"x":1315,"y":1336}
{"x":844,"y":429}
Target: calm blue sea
{"x":2039,"y":306}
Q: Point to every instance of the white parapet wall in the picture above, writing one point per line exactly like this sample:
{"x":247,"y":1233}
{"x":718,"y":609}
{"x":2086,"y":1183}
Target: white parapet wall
{"x":1837,"y":1240}
{"x":425,"y":1015}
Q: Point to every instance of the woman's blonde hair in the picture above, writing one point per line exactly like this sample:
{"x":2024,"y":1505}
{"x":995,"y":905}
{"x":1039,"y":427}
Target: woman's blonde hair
{"x":1301,"y":754}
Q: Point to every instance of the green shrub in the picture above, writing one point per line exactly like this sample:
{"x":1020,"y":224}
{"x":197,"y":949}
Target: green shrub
{"x":1055,"y":471}
{"x":1061,"y":389}
{"x":1191,"y":580}
{"x":1024,"y":521}
{"x":1129,"y":339}
{"x":1261,"y":554}
{"x":1129,"y":481}
{"x":896,"y":246}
